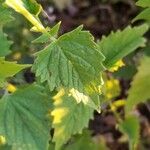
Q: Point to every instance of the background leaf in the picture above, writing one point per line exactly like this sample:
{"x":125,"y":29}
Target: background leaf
{"x":143,"y":3}
{"x":85,"y":142}
{"x":145,"y":14}
{"x":4,"y":44}
{"x":139,"y":88}
{"x":118,"y":45}
{"x":9,"y":69}
{"x":130,"y":127}
{"x":5,"y":16}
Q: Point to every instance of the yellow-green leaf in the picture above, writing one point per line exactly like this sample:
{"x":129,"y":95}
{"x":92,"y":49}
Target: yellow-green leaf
{"x":69,"y":118}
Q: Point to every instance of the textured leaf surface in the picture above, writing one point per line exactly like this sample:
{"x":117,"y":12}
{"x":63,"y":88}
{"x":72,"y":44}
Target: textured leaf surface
{"x":118,"y":45}
{"x":130,"y":127}
{"x":9,"y":69}
{"x":139,"y":91}
{"x":72,"y":61}
{"x":69,"y":118}
{"x":23,"y":119}
{"x":4,"y":44}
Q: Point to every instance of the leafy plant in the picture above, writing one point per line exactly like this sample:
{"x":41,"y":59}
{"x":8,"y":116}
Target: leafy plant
{"x":68,"y":83}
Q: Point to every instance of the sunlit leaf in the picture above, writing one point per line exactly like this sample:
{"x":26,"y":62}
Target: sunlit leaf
{"x":69,"y":118}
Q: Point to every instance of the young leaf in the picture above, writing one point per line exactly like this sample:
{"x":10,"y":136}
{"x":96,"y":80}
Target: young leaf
{"x":23,"y":119}
{"x":46,"y":37}
{"x":139,"y":91}
{"x":72,"y":61}
{"x":130,"y":127}
{"x":4,"y":44}
{"x":9,"y":69}
{"x":69,"y":118}
{"x":118,"y":45}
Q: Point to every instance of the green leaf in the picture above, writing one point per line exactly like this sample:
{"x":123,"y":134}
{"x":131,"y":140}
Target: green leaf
{"x":5,"y":147}
{"x":23,"y":119}
{"x":30,"y":9}
{"x":9,"y":69}
{"x":85,"y":142}
{"x":69,"y":118}
{"x":4,"y":44}
{"x":32,"y":6}
{"x":72,"y":61}
{"x":46,"y":37}
{"x":139,"y":92}
{"x":5,"y":16}
{"x":144,"y":15}
{"x":131,"y":128}
{"x":143,"y":3}
{"x":118,"y":45}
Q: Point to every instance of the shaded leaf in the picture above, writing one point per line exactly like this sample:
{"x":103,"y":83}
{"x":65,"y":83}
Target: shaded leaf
{"x":9,"y":69}
{"x":85,"y":142}
{"x":5,"y":16}
{"x":144,"y":15}
{"x":139,"y":91}
{"x":4,"y":44}
{"x":130,"y":127}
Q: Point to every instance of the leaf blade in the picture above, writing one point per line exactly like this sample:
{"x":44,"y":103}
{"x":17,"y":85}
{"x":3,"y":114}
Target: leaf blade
{"x":118,"y":45}
{"x":26,"y":108}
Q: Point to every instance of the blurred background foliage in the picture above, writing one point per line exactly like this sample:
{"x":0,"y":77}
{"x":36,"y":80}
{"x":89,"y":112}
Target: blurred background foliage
{"x":100,"y":17}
